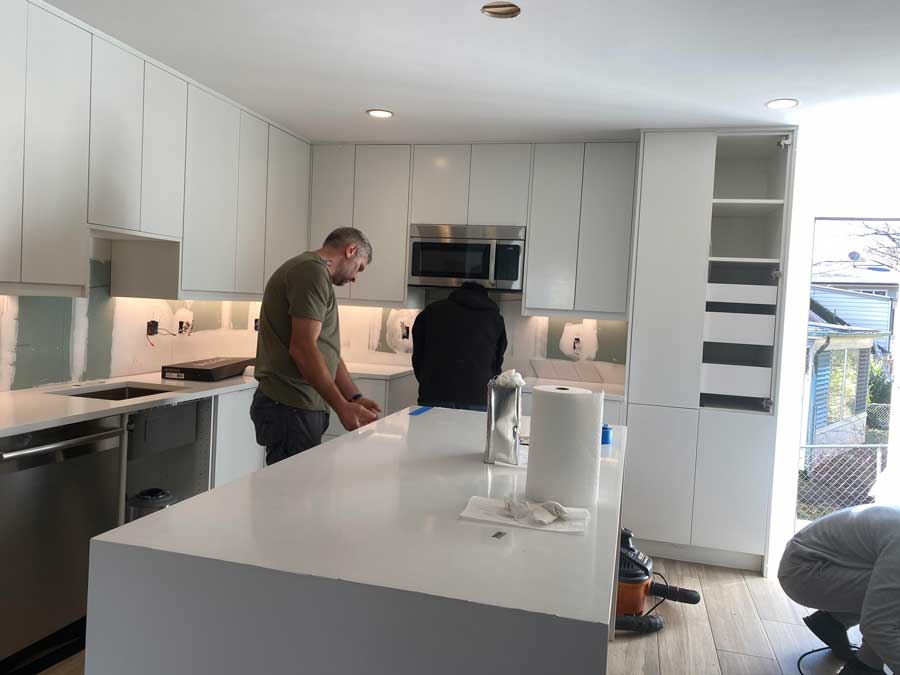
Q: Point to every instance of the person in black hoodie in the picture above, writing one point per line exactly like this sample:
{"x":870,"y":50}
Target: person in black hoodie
{"x":458,"y":345}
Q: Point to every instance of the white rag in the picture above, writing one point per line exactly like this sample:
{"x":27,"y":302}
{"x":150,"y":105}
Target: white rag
{"x":549,"y":516}
{"x":510,"y":378}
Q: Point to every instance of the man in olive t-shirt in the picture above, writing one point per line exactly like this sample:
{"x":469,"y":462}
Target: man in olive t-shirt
{"x":298,"y":352}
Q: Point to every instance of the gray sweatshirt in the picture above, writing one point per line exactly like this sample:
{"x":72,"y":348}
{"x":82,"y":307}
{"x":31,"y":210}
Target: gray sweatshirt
{"x":863,"y":538}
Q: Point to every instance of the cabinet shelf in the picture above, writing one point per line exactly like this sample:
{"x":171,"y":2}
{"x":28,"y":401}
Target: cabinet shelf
{"x":743,"y":208}
{"x":753,"y":261}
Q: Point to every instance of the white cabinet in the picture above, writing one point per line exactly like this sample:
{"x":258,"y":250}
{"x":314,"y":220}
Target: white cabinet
{"x":331,"y":195}
{"x":735,"y":459}
{"x":659,"y":473}
{"x":392,"y":395}
{"x":672,"y":246}
{"x":249,"y":270}
{"x":57,"y":126}
{"x":553,"y":227}
{"x":117,"y":109}
{"x":211,"y":186}
{"x":162,"y":173}
{"x":381,"y":209}
{"x":13,"y":22}
{"x":604,"y":239}
{"x":287,"y":208}
{"x":440,"y":184}
{"x":499,"y":183}
{"x":236,"y":453}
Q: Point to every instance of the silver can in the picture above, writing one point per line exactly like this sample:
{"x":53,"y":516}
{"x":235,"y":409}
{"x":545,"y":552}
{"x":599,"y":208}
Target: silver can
{"x":504,"y":412}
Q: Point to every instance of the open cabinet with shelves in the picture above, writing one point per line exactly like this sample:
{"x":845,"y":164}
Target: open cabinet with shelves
{"x":751,"y":167}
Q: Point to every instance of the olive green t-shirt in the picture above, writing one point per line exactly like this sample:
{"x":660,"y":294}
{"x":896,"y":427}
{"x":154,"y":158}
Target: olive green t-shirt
{"x":300,"y":288}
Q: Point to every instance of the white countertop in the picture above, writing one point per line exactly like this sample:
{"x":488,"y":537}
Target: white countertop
{"x":380,"y":506}
{"x":612,"y":390}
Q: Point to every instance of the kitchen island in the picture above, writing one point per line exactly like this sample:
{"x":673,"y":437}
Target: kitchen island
{"x":351,"y":558}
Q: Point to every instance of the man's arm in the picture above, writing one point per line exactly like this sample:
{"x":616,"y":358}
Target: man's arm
{"x":501,"y":348}
{"x":305,"y":352}
{"x":879,"y":622}
{"x":348,"y":388}
{"x":418,"y":354}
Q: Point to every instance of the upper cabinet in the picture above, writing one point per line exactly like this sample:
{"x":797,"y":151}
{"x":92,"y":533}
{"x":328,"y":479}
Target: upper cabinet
{"x":331,"y":195}
{"x":499,"y":183}
{"x":672,"y":243}
{"x":604,"y":236}
{"x":162,"y":184}
{"x":440,"y":184}
{"x":287,"y":208}
{"x":249,"y":274}
{"x":13,"y":22}
{"x":380,"y":209}
{"x":211,"y":188}
{"x":552,"y":247}
{"x":117,"y":107}
{"x":58,"y":105}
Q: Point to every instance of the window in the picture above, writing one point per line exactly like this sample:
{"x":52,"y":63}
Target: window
{"x":842,"y":385}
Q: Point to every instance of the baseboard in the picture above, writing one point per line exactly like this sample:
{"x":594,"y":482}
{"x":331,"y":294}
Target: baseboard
{"x":705,"y":556}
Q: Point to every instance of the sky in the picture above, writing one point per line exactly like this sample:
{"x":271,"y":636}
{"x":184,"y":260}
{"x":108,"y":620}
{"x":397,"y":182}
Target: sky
{"x":835,"y":239}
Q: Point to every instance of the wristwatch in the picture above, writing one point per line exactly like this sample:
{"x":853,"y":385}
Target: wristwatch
{"x":356,"y":397}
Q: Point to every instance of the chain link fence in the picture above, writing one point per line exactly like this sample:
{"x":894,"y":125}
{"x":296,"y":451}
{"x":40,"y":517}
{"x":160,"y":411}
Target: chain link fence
{"x":833,"y":477}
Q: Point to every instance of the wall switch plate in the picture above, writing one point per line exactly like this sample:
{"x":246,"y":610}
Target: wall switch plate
{"x":152,"y":327}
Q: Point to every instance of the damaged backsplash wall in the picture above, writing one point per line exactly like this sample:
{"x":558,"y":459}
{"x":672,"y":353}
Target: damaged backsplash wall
{"x":51,"y":340}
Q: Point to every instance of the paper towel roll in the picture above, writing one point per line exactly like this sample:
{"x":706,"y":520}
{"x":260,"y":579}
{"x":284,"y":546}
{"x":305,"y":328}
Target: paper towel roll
{"x":564,"y":450}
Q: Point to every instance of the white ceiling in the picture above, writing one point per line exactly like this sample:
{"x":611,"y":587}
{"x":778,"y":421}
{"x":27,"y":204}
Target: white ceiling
{"x":565,"y":69}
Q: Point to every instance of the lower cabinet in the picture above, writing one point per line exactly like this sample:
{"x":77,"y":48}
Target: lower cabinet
{"x":658,"y":497}
{"x":392,"y":395}
{"x":236,"y":452}
{"x":735,"y":459}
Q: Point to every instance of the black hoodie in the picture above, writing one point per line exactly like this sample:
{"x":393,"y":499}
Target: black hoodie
{"x":458,"y":345}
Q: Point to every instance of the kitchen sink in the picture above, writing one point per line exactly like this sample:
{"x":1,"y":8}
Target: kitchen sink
{"x":120,"y":391}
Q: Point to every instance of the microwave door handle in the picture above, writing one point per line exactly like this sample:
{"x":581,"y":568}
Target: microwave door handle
{"x":492,"y":281}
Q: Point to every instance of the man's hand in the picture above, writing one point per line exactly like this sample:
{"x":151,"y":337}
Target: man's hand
{"x":353,"y":416}
{"x":369,"y":404}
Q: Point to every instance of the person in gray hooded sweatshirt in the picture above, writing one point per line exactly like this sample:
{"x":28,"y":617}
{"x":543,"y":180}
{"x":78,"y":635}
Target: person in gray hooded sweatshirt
{"x":846,"y":565}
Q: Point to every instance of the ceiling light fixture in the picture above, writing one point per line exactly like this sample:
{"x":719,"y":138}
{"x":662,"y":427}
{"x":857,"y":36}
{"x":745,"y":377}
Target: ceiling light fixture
{"x":379,"y":113}
{"x":501,"y":10}
{"x":782,"y":103}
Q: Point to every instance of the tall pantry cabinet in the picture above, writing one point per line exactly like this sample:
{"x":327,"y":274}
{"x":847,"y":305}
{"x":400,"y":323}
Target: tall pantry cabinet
{"x":703,"y":337}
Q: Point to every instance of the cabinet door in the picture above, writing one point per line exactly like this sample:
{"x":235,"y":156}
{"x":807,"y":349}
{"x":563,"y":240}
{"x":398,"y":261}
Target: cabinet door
{"x":236,"y":452}
{"x":381,"y":209}
{"x":251,"y":216}
{"x":57,"y":127}
{"x":553,"y":227}
{"x":672,"y":261}
{"x":210,"y":199}
{"x":162,"y":183}
{"x":117,"y":110}
{"x":287,"y":207}
{"x":659,"y":473}
{"x":604,"y":242}
{"x":13,"y":22}
{"x":441,"y":184}
{"x":331,"y":195}
{"x":732,"y":489}
{"x":499,"y":182}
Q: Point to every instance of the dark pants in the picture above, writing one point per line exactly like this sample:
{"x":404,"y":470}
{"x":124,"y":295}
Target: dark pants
{"x":283,"y":430}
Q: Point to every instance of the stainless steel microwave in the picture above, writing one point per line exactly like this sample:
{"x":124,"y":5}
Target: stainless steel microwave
{"x":449,"y":255}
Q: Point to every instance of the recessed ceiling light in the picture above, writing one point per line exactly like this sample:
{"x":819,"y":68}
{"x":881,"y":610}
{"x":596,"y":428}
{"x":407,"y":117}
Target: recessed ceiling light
{"x":501,"y":10}
{"x":782,"y":103}
{"x":379,"y":113}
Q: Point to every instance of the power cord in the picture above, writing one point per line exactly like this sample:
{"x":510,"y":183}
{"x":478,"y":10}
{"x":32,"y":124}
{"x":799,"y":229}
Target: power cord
{"x":816,"y":651}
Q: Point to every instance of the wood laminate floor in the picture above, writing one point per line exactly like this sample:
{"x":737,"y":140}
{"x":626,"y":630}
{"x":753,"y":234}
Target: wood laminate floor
{"x":744,"y":625}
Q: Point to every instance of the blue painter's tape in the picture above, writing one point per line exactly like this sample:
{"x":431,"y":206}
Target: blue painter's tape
{"x":420,"y":411}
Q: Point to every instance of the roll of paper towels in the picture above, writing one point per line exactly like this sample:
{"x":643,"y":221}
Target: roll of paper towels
{"x":564,"y":450}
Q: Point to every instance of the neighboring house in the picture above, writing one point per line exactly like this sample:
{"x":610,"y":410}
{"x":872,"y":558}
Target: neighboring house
{"x":863,"y":293}
{"x":837,"y":379}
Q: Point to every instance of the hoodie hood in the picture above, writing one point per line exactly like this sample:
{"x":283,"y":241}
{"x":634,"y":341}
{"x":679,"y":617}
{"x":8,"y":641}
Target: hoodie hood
{"x":474,"y":298}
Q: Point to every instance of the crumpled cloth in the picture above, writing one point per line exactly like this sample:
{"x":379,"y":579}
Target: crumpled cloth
{"x":549,"y":516}
{"x":510,"y":378}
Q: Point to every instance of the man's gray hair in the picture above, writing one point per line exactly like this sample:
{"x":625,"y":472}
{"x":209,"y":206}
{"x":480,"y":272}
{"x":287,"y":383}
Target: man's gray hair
{"x":350,"y":236}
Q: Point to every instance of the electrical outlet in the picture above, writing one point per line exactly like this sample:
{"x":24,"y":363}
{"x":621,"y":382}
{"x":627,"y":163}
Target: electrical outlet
{"x":180,"y":327}
{"x":152,"y":327}
{"x":256,"y":325}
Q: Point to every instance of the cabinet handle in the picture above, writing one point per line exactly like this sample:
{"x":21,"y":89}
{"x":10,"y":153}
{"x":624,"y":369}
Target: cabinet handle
{"x":60,"y":445}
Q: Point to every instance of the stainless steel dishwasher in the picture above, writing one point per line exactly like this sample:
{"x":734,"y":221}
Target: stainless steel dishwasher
{"x":58,"y":488}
